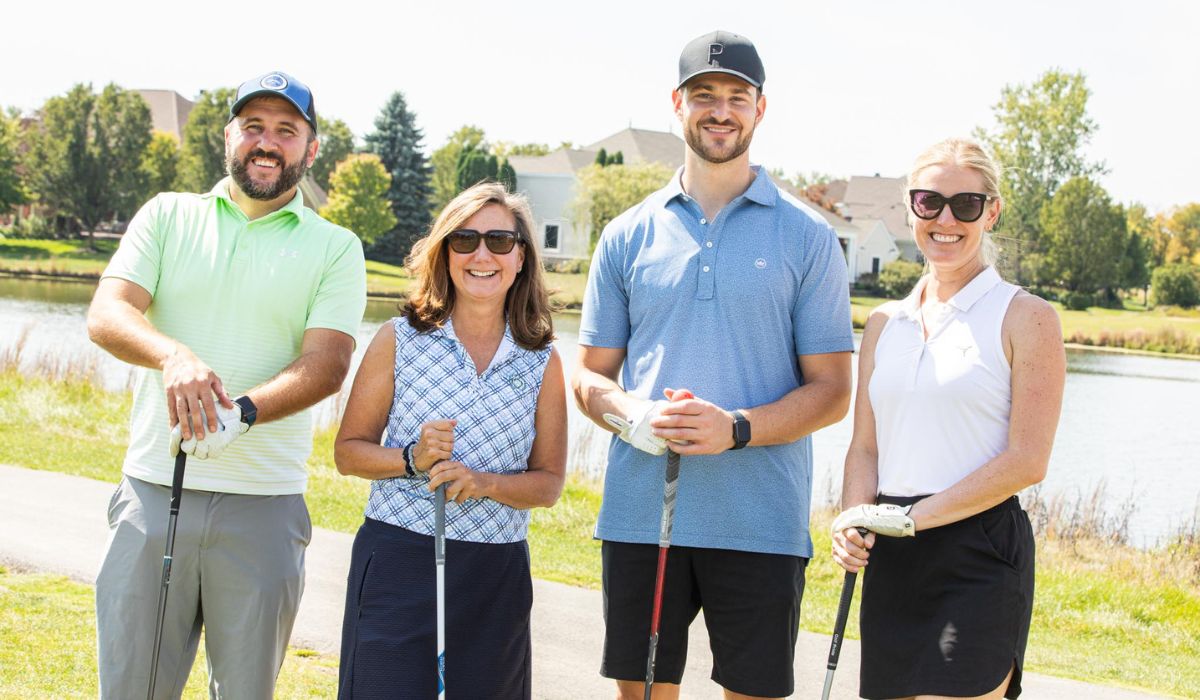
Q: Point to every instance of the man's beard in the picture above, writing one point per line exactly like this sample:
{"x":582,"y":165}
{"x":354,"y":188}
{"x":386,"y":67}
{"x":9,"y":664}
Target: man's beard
{"x":289,"y":175}
{"x":695,"y":140}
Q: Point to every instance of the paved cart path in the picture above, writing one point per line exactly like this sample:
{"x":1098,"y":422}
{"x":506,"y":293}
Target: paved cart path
{"x":56,"y":523}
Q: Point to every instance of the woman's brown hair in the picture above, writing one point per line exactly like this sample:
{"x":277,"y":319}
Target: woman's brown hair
{"x":431,"y":299}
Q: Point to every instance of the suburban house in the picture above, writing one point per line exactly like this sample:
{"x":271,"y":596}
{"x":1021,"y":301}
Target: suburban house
{"x":881,"y":199}
{"x":549,"y":183}
{"x":866,"y":243}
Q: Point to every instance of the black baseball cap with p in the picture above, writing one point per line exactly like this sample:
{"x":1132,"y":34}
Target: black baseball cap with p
{"x":721,"y":52}
{"x":278,"y":84}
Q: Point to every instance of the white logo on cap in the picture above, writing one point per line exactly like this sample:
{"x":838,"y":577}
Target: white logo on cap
{"x":274,"y":81}
{"x":715,"y":50}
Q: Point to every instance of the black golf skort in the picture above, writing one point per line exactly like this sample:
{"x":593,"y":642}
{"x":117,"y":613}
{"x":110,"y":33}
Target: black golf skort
{"x":389,"y":632}
{"x":947,"y":612}
{"x":751,"y":604}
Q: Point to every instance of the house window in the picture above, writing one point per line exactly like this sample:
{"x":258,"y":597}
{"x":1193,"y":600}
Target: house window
{"x":550,"y":240}
{"x":874,"y":266}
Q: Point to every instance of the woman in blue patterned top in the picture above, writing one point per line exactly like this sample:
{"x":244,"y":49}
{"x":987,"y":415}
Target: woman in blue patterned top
{"x":464,"y":389}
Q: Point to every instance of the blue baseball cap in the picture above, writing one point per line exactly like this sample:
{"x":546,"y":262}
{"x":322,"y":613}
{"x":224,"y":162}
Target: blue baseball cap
{"x":278,"y":84}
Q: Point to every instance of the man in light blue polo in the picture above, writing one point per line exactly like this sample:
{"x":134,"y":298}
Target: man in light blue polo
{"x":243,"y":292}
{"x":722,"y":285}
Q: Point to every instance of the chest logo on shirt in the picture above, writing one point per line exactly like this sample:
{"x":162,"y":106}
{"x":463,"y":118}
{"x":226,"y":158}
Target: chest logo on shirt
{"x":288,"y":253}
{"x":516,"y":382}
{"x":761,"y":263}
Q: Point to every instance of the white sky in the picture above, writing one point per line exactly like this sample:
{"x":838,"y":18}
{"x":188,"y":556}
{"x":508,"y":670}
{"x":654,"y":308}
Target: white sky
{"x":853,"y":88}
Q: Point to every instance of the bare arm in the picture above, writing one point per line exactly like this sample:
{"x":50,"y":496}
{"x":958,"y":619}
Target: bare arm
{"x":595,"y":385}
{"x":318,"y":372}
{"x":1033,"y":342}
{"x":860,"y":477}
{"x":820,"y":401}
{"x":117,"y":322}
{"x":541,"y":484}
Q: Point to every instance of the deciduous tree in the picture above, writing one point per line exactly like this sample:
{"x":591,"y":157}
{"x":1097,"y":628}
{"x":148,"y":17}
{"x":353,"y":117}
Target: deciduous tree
{"x":603,"y":193}
{"x":1084,"y":238}
{"x":202,"y":153}
{"x":1039,"y":134}
{"x":80,"y":155}
{"x":12,"y":188}
{"x":358,"y":197}
{"x":337,"y":142}
{"x":160,"y":163}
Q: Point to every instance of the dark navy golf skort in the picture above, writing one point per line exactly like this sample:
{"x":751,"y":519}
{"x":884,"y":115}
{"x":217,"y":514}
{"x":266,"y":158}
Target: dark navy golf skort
{"x":389,"y":632}
{"x":947,"y":612}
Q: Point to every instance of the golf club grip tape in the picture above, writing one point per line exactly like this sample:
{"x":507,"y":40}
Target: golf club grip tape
{"x":669,"y":491}
{"x":839,"y":626}
{"x":177,"y":480}
{"x":439,"y":524}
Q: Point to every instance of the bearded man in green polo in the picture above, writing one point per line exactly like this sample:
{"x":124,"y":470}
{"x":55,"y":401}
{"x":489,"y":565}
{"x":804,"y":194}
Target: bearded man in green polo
{"x":239,"y":292}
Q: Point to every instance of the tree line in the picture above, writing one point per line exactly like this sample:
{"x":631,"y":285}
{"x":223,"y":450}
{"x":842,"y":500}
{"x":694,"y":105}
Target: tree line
{"x":1061,"y":232}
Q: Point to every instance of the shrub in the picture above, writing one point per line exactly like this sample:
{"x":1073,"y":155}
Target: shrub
{"x":1078,"y":301}
{"x":1176,"y":284}
{"x":898,"y":278}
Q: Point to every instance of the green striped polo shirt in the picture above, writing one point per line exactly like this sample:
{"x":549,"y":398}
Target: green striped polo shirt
{"x":240,"y":294}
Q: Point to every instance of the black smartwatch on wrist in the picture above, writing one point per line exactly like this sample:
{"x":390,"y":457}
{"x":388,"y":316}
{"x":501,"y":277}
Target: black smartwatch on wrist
{"x":409,"y":469}
{"x":741,"y":430}
{"x":249,"y":410}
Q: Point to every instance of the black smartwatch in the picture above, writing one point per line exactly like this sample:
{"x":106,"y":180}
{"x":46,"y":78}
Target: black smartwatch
{"x":249,"y":410}
{"x":409,"y":469}
{"x":741,"y":430}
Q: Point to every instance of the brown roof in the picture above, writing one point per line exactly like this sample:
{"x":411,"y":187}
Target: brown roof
{"x":168,"y":110}
{"x":877,"y":198}
{"x":644,"y":145}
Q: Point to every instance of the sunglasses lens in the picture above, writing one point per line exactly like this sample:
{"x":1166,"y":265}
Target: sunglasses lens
{"x":464,"y":241}
{"x":501,"y":242}
{"x":967,"y":207}
{"x":927,"y":205}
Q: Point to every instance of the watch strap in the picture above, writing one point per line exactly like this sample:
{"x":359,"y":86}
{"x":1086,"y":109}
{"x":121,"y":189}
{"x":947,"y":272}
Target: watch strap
{"x":409,"y":469}
{"x":741,"y":430}
{"x":249,"y":410}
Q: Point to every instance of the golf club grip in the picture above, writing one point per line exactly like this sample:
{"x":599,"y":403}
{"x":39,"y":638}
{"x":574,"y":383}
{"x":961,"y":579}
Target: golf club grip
{"x":670,"y":489}
{"x":177,"y":481}
{"x":839,"y":626}
{"x":439,"y":524}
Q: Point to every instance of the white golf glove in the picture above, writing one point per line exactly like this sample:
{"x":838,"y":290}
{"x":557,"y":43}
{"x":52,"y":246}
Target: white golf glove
{"x":636,"y":428}
{"x":887,"y":519}
{"x":229,"y":427}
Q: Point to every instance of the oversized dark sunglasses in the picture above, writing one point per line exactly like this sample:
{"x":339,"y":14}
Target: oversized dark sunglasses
{"x":466,"y":240}
{"x":966,"y":206}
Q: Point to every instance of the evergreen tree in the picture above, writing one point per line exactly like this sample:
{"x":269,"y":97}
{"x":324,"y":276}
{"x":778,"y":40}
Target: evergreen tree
{"x":397,"y":142}
{"x":507,"y":176}
{"x":617,"y":158}
{"x":602,"y":158}
{"x":202,"y":154}
{"x":474,"y":166}
{"x":445,"y":164}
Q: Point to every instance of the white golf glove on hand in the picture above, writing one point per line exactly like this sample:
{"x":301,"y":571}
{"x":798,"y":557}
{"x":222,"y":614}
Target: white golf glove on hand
{"x":887,"y":519}
{"x":229,"y":427}
{"x":636,"y":429}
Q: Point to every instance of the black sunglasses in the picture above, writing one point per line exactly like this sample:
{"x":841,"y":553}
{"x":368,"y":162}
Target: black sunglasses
{"x":466,"y":240}
{"x":966,"y":206}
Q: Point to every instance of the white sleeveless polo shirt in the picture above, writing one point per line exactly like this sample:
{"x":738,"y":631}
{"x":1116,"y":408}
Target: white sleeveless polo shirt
{"x":942,"y":404}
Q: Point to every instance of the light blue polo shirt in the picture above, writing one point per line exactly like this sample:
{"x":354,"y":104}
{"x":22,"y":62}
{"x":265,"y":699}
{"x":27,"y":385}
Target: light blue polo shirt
{"x":723,"y":308}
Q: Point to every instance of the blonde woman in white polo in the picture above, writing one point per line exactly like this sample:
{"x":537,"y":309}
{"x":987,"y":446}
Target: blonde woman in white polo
{"x":960,"y":387}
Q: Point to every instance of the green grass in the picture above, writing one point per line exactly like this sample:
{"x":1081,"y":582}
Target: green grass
{"x":48,"y":646}
{"x":1104,"y":613}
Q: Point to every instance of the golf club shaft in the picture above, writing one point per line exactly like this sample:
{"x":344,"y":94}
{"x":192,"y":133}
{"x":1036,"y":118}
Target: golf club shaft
{"x":839,"y":628}
{"x":168,"y":554}
{"x":439,"y":558}
{"x":670,"y":489}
